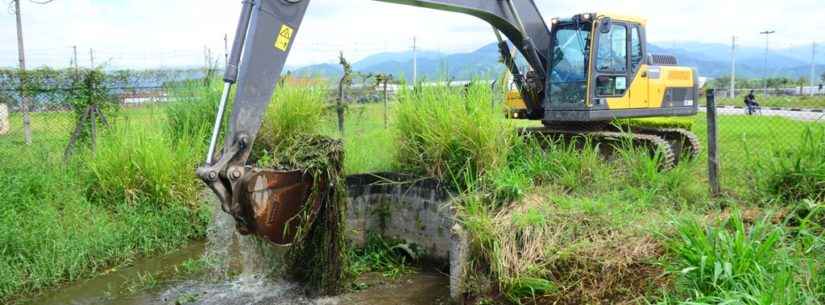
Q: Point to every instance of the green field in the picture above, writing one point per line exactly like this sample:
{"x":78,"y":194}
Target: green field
{"x":550,"y":223}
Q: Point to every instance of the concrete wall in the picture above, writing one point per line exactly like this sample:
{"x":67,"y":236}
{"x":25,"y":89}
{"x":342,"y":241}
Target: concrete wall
{"x":4,"y":119}
{"x":419,"y":212}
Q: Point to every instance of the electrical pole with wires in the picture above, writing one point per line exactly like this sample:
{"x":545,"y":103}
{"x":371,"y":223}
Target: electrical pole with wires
{"x":24,"y":98}
{"x":74,"y":61}
{"x":813,"y":69}
{"x":733,"y":68}
{"x":415,"y":61}
{"x":767,"y":34}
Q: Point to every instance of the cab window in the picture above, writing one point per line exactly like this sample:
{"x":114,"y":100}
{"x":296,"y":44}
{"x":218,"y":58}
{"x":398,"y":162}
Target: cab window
{"x":635,"y":48}
{"x":612,"y":51}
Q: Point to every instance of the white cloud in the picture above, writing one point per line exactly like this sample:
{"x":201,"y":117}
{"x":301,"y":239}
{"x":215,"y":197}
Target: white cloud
{"x":166,"y":33}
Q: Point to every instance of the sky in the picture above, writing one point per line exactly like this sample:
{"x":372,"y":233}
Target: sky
{"x":172,"y":33}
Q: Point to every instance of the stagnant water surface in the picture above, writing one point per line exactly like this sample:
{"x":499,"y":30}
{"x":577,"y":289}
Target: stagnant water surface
{"x":231,"y":254}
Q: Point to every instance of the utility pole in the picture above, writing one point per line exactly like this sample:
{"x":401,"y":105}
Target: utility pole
{"x":22,"y":57}
{"x":92,"y":58}
{"x":225,"y":50}
{"x":733,"y":69}
{"x":767,"y":34}
{"x":813,"y":68}
{"x":415,"y":62}
{"x":74,"y":56}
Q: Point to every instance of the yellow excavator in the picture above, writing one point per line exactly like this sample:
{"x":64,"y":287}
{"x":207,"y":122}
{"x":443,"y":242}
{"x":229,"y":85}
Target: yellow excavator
{"x":584,"y":72}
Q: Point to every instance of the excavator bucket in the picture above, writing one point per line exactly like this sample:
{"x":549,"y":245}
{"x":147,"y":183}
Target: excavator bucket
{"x":277,"y":205}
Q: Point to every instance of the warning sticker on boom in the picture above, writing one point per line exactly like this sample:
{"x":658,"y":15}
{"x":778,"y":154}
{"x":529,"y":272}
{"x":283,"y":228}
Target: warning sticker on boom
{"x":284,"y":37}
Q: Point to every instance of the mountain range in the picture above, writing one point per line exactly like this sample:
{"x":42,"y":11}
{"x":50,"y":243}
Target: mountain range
{"x":712,"y":60}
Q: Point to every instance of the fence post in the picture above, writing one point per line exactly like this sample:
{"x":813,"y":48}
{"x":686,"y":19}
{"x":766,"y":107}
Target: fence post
{"x":713,"y":153}
{"x":494,"y":94}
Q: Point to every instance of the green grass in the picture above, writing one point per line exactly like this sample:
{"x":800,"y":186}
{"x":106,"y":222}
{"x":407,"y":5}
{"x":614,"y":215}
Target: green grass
{"x":739,"y":262}
{"x":451,"y":134}
{"x":549,"y":222}
{"x":65,"y":235}
{"x":63,"y":222}
{"x":558,"y":224}
{"x":745,"y":142}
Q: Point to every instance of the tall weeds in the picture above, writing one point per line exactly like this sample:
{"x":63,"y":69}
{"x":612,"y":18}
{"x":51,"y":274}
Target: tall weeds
{"x":135,"y":163}
{"x":797,"y":173}
{"x":738,"y":263}
{"x":451,"y":133}
{"x":193,"y":112}
{"x":294,"y":113}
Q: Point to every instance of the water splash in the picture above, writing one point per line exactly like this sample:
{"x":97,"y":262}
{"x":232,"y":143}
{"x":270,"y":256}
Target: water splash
{"x":260,"y":265}
{"x":242,"y":291}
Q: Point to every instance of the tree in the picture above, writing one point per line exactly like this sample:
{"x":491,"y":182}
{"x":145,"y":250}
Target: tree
{"x":344,"y":83}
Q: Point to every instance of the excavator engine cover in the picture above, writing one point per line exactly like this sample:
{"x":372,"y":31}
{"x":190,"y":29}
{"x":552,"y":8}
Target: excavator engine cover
{"x":276,"y":204}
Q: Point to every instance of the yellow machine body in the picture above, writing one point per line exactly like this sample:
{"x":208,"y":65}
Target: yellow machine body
{"x":650,"y":85}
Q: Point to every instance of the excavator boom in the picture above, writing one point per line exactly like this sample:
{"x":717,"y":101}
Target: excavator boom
{"x":265,"y":35}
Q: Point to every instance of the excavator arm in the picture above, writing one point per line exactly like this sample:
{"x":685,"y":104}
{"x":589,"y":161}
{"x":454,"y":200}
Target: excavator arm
{"x":264,"y":37}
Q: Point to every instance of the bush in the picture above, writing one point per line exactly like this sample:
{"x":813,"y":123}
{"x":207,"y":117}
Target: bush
{"x":295,"y":112}
{"x":54,"y":233}
{"x":451,"y":134}
{"x":735,"y":264}
{"x":193,"y":114}
{"x":135,"y":163}
{"x":798,"y":173}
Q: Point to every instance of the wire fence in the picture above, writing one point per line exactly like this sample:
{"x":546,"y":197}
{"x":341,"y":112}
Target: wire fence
{"x":53,"y":115}
{"x":750,"y":139}
{"x":755,"y":141}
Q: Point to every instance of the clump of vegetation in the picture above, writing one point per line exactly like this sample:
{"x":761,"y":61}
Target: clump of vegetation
{"x":451,"y":133}
{"x":92,"y":102}
{"x":741,"y":262}
{"x":71,"y":230}
{"x":380,"y":255}
{"x":797,"y":173}
{"x":134,"y":163}
{"x":294,"y":112}
{"x":193,"y":113}
{"x":289,"y":139}
{"x":536,"y":161}
{"x":561,"y":252}
{"x":319,"y":259}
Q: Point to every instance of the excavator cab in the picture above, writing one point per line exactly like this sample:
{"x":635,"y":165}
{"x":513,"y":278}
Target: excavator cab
{"x":599,"y":70}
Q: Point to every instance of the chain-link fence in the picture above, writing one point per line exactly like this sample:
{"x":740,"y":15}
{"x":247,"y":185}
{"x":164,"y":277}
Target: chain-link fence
{"x":53,"y":115}
{"x":48,"y":106}
{"x":765,"y":149}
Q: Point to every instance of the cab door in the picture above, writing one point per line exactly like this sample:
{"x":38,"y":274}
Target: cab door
{"x":611,"y":71}
{"x":639,"y":94}
{"x":620,"y":73}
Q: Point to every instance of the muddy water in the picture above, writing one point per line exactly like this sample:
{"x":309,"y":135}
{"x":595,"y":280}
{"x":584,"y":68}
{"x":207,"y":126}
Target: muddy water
{"x":240,"y":272}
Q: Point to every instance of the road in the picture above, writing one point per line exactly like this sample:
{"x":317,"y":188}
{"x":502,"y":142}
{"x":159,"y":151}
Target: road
{"x":808,"y":116}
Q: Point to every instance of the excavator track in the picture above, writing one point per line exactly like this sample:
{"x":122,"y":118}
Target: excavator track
{"x":609,"y":141}
{"x":685,"y":144}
